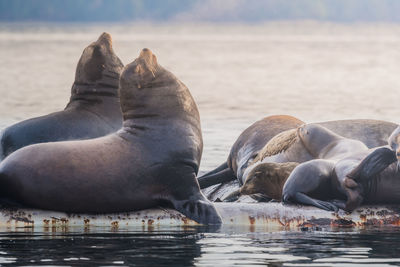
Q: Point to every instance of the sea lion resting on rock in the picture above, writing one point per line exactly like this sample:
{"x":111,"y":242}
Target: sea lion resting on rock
{"x":365,"y":176}
{"x":93,"y":110}
{"x":266,"y":180}
{"x":247,"y":147}
{"x":308,"y":142}
{"x":370,"y":177}
{"x":151,"y":161}
{"x":362,"y":178}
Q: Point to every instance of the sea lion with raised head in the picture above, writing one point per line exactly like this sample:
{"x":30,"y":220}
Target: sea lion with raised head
{"x":93,"y":110}
{"x":151,"y":161}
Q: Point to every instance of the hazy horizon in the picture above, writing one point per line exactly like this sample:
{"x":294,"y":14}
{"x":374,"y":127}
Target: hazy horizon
{"x":242,"y":11}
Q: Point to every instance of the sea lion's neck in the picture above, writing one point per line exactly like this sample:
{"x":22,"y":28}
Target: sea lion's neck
{"x":80,"y":90}
{"x":92,"y":93}
{"x":144,"y":119}
{"x":106,"y":86}
{"x":158,"y":106}
{"x":102,"y":100}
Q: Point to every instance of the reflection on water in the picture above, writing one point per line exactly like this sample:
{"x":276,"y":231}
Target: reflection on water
{"x":201,"y":247}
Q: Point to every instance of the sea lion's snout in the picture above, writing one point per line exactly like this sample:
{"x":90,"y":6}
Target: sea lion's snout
{"x":147,"y":62}
{"x":302,"y":131}
{"x":99,"y":64}
{"x":102,"y":47}
{"x":143,"y":70}
{"x":105,"y":37}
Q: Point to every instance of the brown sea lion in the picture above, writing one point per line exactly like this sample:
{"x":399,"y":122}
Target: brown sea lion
{"x":247,"y":146}
{"x":151,"y":161}
{"x":93,"y":110}
{"x":265,"y":181}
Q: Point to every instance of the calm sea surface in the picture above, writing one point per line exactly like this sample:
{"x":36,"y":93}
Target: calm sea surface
{"x":237,"y":75}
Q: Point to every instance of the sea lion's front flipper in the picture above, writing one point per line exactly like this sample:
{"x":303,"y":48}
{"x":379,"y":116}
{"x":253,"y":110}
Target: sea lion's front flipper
{"x":200,"y":210}
{"x":341,"y":204}
{"x":232,"y":197}
{"x":261,"y":197}
{"x":373,"y":164}
{"x":302,"y":198}
{"x":225,"y":175}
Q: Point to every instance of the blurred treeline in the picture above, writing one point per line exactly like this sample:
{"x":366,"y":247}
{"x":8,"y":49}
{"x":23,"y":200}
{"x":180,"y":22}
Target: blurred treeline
{"x":91,"y":10}
{"x":199,"y":10}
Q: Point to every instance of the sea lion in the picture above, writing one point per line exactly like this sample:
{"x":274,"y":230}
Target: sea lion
{"x":371,"y":177}
{"x":309,"y":141}
{"x":247,"y":147}
{"x":93,"y":110}
{"x":151,"y":161}
{"x":265,"y":181}
{"x":362,"y":178}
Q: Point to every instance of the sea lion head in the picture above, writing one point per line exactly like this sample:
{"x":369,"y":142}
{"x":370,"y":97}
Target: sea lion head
{"x":394,"y":142}
{"x":149,"y":90}
{"x":138,"y":85}
{"x":99,"y":65}
{"x":143,"y":71}
{"x":354,"y":192}
{"x":268,"y":179}
{"x":315,"y":137}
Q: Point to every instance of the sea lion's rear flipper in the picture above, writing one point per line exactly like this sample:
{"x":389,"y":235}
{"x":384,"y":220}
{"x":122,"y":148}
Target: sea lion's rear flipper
{"x":225,"y":175}
{"x":373,"y":164}
{"x":200,"y":210}
{"x":221,"y":167}
{"x":302,"y":198}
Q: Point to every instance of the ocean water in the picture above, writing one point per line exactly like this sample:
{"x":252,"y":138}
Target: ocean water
{"x":201,"y":247}
{"x":237,"y":75}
